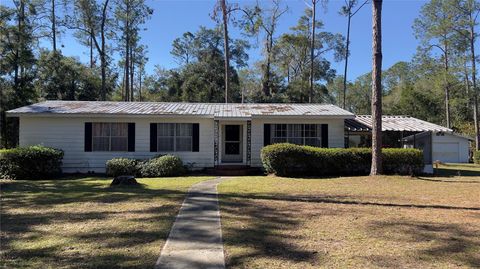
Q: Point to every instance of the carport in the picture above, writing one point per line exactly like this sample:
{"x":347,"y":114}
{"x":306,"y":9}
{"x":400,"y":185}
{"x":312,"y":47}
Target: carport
{"x":436,"y":142}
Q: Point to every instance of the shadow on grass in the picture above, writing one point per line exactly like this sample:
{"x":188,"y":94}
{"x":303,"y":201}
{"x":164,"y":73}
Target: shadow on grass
{"x":266,"y":235}
{"x":465,"y":171}
{"x":27,"y":206}
{"x":440,"y":241}
{"x":44,"y":193}
{"x":447,"y":181}
{"x":344,"y":200}
{"x":263,"y":229}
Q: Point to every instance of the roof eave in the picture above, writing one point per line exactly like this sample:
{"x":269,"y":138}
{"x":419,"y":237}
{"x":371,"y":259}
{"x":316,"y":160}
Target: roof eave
{"x":304,"y":116}
{"x":103,"y":115}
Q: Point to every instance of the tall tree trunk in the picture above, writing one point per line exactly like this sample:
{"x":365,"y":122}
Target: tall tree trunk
{"x":447,"y":86}
{"x":226,"y":47}
{"x":474,"y":83}
{"x":266,"y":80}
{"x":103,"y":58}
{"x":140,"y":71}
{"x":132,"y":72}
{"x":71,"y":92}
{"x":123,"y":86}
{"x":126,"y":95}
{"x":17,"y":48}
{"x":91,"y":51}
{"x":467,"y":81}
{"x":288,"y":74}
{"x":376,"y":168}
{"x":19,"y":68}
{"x":312,"y":51}
{"x":346,"y":59}
{"x":127,"y":55}
{"x":54,"y":27}
{"x":3,"y":120}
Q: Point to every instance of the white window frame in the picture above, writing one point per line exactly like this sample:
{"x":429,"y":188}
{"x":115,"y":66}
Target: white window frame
{"x":109,"y":137}
{"x":175,"y":136}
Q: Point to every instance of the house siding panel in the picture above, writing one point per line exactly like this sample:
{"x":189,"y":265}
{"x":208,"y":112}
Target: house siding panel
{"x":68,"y":134}
{"x":335,"y":133}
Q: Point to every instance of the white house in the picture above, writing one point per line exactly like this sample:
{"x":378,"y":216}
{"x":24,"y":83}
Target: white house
{"x":202,"y":134}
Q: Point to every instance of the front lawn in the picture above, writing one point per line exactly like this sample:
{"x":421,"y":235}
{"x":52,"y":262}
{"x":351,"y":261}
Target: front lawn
{"x":351,"y":222}
{"x":84,"y":223}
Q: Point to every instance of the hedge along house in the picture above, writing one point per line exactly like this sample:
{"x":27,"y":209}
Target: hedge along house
{"x":202,"y":134}
{"x":436,"y":142}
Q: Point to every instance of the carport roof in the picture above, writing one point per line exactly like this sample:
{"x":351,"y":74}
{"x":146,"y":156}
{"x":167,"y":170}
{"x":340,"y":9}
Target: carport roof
{"x":363,"y":123}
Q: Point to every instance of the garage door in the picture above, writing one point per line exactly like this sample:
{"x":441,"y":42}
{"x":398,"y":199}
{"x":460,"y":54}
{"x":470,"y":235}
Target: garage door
{"x":446,"y":152}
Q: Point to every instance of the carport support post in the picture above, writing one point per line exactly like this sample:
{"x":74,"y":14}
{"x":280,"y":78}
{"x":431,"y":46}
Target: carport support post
{"x":401,"y":139}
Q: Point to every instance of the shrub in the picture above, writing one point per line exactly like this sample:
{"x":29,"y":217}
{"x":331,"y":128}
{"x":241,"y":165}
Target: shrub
{"x":402,"y":161}
{"x":476,"y":157}
{"x":293,"y":160}
{"x":122,"y":167}
{"x":164,"y":166}
{"x":33,"y":162}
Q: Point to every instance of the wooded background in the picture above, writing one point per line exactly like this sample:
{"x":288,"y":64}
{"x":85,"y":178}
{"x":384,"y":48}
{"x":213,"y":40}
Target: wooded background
{"x":438,"y":84}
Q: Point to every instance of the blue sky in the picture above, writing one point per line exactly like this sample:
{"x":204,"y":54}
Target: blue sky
{"x":171,"y":18}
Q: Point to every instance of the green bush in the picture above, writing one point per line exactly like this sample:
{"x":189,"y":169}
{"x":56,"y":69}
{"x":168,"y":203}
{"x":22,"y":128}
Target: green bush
{"x":33,"y":162}
{"x":122,"y":167}
{"x":293,"y":160}
{"x":164,"y":166}
{"x":476,"y":157}
{"x":402,"y":161}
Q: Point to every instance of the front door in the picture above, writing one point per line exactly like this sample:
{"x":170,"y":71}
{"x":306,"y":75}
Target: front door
{"x":232,"y":144}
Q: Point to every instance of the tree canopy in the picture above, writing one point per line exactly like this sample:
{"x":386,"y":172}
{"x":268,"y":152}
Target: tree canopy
{"x":438,"y":84}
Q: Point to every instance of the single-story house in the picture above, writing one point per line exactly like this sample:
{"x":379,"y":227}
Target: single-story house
{"x":438,"y":143}
{"x":202,"y":134}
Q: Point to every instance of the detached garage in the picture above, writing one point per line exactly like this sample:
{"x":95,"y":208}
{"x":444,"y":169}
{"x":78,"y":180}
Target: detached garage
{"x":450,"y":148}
{"x":445,"y":147}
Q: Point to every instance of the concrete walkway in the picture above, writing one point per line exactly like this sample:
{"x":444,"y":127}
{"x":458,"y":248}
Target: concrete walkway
{"x":195,"y":240}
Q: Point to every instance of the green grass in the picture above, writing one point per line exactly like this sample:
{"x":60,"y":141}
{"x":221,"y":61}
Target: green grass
{"x":84,"y":223}
{"x":351,"y":222}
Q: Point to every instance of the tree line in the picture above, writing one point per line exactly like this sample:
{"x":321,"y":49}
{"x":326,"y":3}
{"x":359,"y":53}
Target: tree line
{"x":438,"y":84}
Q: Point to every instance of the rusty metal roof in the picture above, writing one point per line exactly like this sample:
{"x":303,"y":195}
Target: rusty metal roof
{"x":217,"y":110}
{"x":363,"y":123}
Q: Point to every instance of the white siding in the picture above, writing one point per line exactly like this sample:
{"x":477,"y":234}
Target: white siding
{"x":68,"y":134}
{"x":336,"y":135}
{"x":450,"y":148}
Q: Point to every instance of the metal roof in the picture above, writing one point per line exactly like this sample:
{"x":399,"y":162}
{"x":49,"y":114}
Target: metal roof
{"x":363,"y":123}
{"x":217,"y":110}
{"x":420,"y":135}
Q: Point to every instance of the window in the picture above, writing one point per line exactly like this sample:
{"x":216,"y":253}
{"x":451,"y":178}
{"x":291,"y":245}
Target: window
{"x":183,"y":137}
{"x":174,"y":136}
{"x":110,"y":136}
{"x":300,"y":134}
{"x":313,"y":135}
{"x":279,"y":133}
{"x":166,"y":136}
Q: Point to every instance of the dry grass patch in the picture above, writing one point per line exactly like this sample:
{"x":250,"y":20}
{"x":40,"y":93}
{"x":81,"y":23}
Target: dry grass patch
{"x":84,"y":223}
{"x":354,"y":222}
